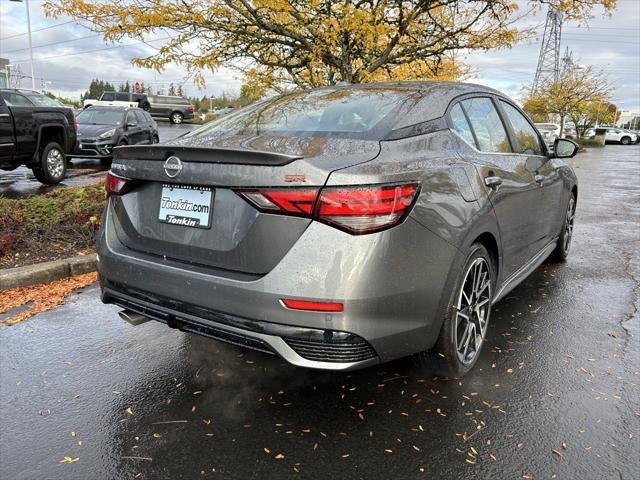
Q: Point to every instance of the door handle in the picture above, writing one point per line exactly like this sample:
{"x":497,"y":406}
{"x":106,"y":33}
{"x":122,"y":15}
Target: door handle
{"x":493,"y":182}
{"x":539,"y":179}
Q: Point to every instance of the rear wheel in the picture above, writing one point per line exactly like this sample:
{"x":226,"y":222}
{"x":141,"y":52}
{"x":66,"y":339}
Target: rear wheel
{"x":625,"y":140}
{"x":52,"y":165}
{"x":465,"y":326}
{"x":176,"y":117}
{"x":561,"y":252}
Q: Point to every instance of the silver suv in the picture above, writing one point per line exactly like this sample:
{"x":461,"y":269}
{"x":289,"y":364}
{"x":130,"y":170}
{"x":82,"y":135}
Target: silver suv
{"x":176,"y":109}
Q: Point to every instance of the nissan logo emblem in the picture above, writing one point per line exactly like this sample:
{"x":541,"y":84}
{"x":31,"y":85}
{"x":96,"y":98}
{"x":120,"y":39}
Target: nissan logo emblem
{"x":172,"y":166}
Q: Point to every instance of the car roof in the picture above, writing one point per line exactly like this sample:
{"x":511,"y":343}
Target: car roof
{"x":115,"y":108}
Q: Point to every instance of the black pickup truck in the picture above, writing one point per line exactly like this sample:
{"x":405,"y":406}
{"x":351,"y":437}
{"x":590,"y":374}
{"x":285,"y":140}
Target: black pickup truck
{"x":35,"y":131}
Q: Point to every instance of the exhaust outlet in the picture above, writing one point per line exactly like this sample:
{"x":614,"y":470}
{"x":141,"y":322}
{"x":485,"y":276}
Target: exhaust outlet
{"x":133,"y":318}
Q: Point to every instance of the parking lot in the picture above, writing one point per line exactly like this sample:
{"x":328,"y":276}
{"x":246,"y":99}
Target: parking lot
{"x":554,"y":395}
{"x":20,"y":182}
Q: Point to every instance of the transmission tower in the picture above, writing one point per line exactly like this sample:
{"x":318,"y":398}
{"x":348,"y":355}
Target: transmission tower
{"x":549,"y":60}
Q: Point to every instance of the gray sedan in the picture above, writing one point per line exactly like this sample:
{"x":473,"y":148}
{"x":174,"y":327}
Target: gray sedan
{"x":340,"y":227}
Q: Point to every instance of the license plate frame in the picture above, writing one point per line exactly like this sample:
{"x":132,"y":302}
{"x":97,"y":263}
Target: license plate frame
{"x":181,"y":206}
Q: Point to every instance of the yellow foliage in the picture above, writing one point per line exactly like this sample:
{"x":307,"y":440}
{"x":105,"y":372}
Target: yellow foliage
{"x":303,"y":43}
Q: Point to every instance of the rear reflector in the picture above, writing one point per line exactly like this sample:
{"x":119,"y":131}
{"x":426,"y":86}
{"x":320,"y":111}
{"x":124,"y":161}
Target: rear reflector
{"x":115,"y":185}
{"x":311,"y":305}
{"x":354,"y":209}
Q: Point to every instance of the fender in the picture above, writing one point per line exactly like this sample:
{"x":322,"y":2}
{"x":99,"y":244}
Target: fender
{"x":57,"y":126}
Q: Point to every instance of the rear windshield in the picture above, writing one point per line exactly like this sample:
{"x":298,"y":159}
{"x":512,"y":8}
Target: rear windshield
{"x":93,"y":116}
{"x":42,"y":100}
{"x":355,"y":113}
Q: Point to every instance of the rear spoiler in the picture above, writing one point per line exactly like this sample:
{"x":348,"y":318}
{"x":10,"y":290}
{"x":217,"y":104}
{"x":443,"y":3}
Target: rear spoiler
{"x":203,"y":155}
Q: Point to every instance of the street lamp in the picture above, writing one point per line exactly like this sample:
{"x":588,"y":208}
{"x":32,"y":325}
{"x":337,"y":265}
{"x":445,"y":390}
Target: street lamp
{"x":33,"y":76}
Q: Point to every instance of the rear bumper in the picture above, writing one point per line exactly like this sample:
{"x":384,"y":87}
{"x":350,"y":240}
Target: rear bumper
{"x":390,"y":284}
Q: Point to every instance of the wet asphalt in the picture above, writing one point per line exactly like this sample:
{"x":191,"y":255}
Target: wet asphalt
{"x":554,"y":395}
{"x":20,"y":183}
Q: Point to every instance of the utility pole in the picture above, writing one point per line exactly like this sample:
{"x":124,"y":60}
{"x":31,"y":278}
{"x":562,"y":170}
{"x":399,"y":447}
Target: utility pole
{"x":549,"y":59}
{"x":33,"y":75}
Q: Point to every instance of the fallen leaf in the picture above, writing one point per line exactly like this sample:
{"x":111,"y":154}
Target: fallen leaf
{"x":69,"y":460}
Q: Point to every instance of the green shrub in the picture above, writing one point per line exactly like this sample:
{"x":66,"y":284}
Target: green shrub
{"x":590,"y":142}
{"x":61,"y":222}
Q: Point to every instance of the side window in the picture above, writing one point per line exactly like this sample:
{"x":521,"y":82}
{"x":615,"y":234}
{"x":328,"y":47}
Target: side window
{"x":140,"y":116}
{"x":460,"y":124}
{"x":122,"y":97}
{"x":131,"y":118}
{"x":108,"y":97}
{"x":16,"y":100}
{"x":486,"y":124}
{"x":526,"y":136}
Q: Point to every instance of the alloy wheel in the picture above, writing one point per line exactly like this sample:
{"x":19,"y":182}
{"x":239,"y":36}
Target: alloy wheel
{"x":568,"y":224}
{"x":176,"y":118}
{"x":55,"y":163}
{"x":472,"y":311}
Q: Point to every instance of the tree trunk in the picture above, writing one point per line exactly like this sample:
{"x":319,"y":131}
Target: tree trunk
{"x":562,"y":125}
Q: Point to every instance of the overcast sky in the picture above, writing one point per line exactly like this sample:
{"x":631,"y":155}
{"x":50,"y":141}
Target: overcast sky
{"x":75,"y":55}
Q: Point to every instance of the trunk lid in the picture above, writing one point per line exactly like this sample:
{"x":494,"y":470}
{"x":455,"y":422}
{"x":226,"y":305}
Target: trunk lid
{"x":240,"y":238}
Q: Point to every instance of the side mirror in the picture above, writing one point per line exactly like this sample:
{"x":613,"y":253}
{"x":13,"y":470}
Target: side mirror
{"x":564,"y":148}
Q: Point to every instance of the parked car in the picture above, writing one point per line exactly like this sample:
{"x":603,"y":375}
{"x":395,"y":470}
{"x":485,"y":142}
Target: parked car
{"x":35,"y":131}
{"x":176,"y":109}
{"x":120,"y":99}
{"x":549,"y":131}
{"x":614,"y":134}
{"x":100,"y":129}
{"x":339,"y":227}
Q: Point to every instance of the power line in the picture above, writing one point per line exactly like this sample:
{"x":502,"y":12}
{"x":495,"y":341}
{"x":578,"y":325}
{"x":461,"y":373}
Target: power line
{"x":55,"y":43}
{"x":95,"y":50}
{"x":38,"y":30}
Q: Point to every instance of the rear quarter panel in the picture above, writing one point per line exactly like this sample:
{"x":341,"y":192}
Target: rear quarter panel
{"x":451,"y":205}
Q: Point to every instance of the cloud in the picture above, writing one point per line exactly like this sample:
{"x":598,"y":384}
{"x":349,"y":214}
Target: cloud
{"x":609,"y":43}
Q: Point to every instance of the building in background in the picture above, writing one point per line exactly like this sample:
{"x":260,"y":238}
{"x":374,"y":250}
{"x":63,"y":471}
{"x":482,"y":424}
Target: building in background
{"x":629,"y":119}
{"x":4,"y":73}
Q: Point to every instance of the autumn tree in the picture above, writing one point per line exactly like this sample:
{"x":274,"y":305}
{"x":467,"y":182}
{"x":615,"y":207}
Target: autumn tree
{"x":570,"y":96}
{"x":593,"y":114}
{"x":306,"y":43}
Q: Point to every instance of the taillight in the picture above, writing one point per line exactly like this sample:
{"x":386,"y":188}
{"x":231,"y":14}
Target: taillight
{"x":365,"y":209}
{"x":75,"y":123}
{"x":292,"y":201}
{"x":355,"y":209}
{"x":190,"y":109}
{"x":115,"y":185}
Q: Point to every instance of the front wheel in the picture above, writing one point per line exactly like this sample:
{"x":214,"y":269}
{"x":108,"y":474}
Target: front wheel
{"x":176,"y":117}
{"x":625,"y":141}
{"x":561,"y":252}
{"x":52,"y":165}
{"x":465,"y":325}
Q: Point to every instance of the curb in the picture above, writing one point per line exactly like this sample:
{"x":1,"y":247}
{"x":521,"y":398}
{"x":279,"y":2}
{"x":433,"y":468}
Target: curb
{"x":47,"y":271}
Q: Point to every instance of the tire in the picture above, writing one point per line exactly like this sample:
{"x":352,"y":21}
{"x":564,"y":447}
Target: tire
{"x":561,"y":251}
{"x":51,"y":167}
{"x":625,"y":141}
{"x":144,"y":105}
{"x":176,"y":117}
{"x":451,"y":356}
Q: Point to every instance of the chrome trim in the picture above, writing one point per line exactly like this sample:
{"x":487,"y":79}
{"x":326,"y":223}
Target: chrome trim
{"x":278,"y":345}
{"x":7,"y":144}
